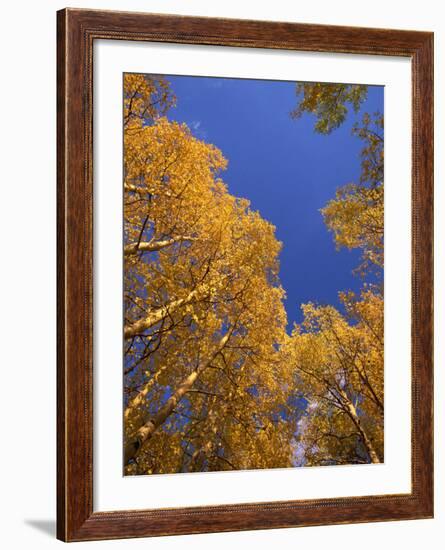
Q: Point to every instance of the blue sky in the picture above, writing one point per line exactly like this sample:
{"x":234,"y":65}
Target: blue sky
{"x":285,"y":169}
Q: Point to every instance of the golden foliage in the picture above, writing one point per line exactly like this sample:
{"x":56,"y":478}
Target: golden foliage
{"x":340,"y":367}
{"x":356,"y":215}
{"x":339,"y":358}
{"x":199,"y":265}
{"x":145,"y":99}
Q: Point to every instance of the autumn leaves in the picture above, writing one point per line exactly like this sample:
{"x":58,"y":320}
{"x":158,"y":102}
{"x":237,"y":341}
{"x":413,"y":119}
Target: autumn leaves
{"x":210,"y":376}
{"x":339,"y":357}
{"x":203,"y":305}
{"x":339,"y":362}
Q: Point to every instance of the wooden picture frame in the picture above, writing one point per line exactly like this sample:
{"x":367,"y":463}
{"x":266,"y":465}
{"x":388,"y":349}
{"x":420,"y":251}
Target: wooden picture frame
{"x":76,"y":32}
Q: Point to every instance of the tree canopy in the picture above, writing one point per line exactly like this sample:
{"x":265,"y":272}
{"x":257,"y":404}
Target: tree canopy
{"x":212,"y":380}
{"x":339,"y":356}
{"x":203,"y":311}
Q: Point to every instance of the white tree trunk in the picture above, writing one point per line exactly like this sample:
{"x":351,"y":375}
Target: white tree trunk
{"x":147,"y":430}
{"x":154,"y":246}
{"x":157,"y":315}
{"x":139,"y":399}
{"x":352,"y":412}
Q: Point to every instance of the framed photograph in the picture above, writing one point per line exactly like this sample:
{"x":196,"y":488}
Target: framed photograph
{"x":245,"y":229}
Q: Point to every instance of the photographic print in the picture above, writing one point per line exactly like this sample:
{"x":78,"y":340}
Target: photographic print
{"x":253,"y":249}
{"x":221,"y":258}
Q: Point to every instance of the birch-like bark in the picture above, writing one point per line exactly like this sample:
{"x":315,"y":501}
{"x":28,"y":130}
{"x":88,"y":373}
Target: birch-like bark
{"x":146,"y":431}
{"x":134,"y":248}
{"x":140,"y":397}
{"x":352,"y":412}
{"x":157,"y":315}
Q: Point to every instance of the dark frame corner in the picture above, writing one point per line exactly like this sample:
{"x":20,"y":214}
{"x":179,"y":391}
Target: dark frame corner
{"x":76,"y":32}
